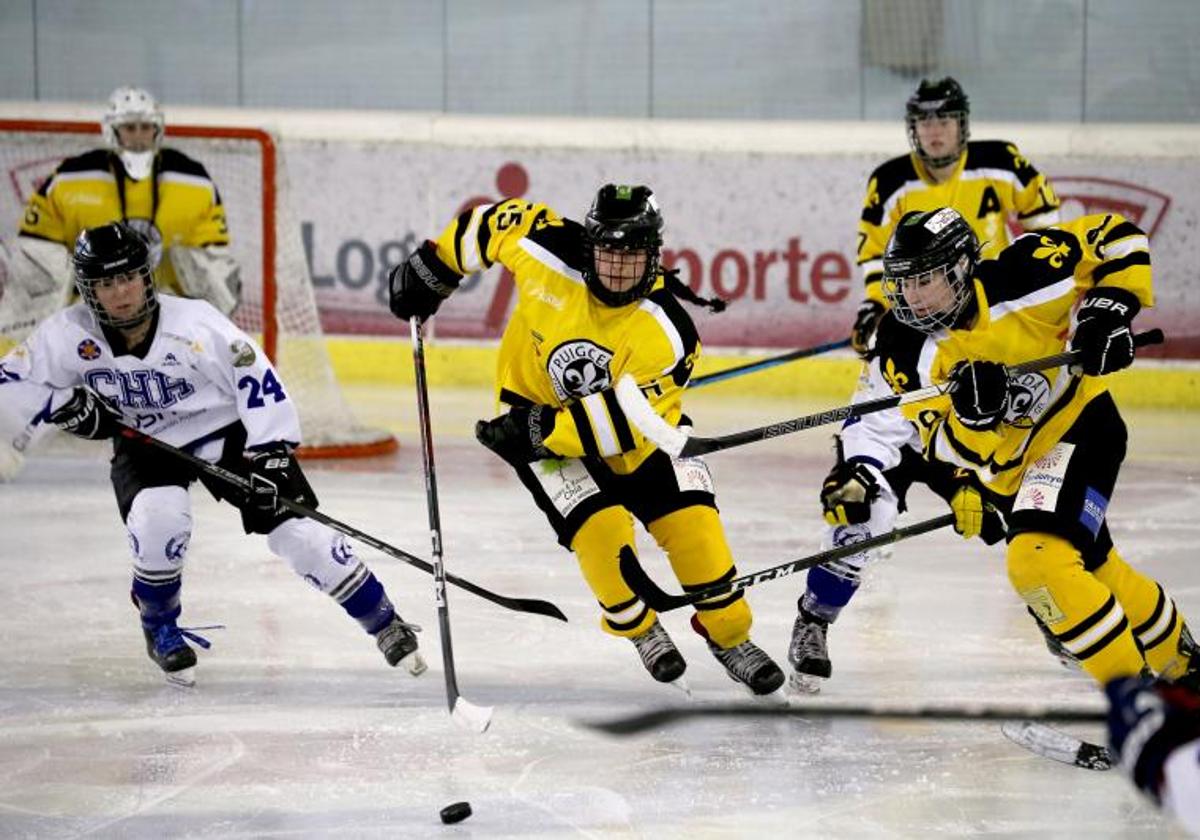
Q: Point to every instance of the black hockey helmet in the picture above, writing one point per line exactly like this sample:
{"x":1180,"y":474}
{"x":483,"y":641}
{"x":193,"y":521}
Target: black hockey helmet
{"x":622,"y":218}
{"x":105,"y":253}
{"x":941,"y":98}
{"x":926,"y":246}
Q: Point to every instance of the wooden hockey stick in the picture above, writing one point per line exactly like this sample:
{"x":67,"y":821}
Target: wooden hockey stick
{"x":680,"y":444}
{"x":462,"y":711}
{"x":659,"y":601}
{"x":526,"y":605}
{"x":642,"y":721}
{"x":764,"y":364}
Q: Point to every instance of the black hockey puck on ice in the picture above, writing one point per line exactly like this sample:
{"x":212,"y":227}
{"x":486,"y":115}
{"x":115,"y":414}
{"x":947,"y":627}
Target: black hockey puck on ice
{"x":456,"y":812}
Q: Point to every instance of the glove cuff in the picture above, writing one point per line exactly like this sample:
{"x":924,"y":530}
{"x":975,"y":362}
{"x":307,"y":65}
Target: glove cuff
{"x":1110,"y":303}
{"x":439,"y":277}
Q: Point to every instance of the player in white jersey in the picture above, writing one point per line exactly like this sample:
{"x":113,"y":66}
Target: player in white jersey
{"x":180,"y":371}
{"x":1154,"y":728}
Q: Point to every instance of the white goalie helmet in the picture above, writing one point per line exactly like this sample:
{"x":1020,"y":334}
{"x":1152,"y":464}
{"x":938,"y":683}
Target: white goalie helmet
{"x":133,"y":105}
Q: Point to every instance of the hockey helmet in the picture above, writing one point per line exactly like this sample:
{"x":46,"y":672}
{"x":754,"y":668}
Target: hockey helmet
{"x":941,"y":98}
{"x":928,"y":269}
{"x":132,"y":105}
{"x":104,"y":254}
{"x":623,"y":223}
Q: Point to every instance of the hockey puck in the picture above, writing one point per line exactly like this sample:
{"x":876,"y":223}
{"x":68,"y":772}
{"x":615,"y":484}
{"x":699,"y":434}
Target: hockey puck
{"x":456,"y":812}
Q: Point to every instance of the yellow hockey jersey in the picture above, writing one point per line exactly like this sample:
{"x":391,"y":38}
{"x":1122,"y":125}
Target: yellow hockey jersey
{"x":92,"y":189}
{"x":991,"y":182}
{"x":1026,"y":298}
{"x":561,"y":346}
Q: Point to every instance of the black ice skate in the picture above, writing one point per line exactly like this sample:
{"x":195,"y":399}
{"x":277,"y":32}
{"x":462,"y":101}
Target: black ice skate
{"x":749,"y":665}
{"x":170,"y":651}
{"x":1057,"y":649}
{"x":398,"y":643}
{"x":808,"y":654}
{"x":659,"y":654}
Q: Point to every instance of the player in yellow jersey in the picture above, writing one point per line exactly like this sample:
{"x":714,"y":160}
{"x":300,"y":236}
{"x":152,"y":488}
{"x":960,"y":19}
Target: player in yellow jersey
{"x":593,"y":305}
{"x":160,"y":192}
{"x":1046,"y":446}
{"x":986,"y":181}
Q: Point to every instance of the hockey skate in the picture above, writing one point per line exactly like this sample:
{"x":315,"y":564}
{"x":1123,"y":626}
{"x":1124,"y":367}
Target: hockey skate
{"x":398,"y":644}
{"x":808,"y":654}
{"x":168,"y":648}
{"x":660,"y":656}
{"x":749,"y":665}
{"x":1056,"y":648}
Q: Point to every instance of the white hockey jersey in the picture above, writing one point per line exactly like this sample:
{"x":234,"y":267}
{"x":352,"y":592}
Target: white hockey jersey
{"x":200,"y":375}
{"x":1180,"y":789}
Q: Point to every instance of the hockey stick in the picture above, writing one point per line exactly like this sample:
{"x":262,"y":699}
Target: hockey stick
{"x":462,"y":711}
{"x":638,"y":722}
{"x":769,"y":362}
{"x":679,"y":444}
{"x":527,"y":605}
{"x":659,"y":601}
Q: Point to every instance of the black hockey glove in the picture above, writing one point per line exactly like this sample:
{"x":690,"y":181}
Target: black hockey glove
{"x":517,"y":436}
{"x":848,"y":490}
{"x":85,"y":415}
{"x":1103,"y":337}
{"x":417,"y":286}
{"x":1147,"y":720}
{"x":979,"y":394}
{"x":865,"y":322}
{"x":273,"y":471}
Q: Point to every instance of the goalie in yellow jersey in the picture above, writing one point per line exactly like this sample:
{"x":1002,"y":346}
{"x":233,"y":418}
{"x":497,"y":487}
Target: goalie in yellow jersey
{"x":986,"y":181}
{"x":594,"y":305}
{"x":1046,"y":446}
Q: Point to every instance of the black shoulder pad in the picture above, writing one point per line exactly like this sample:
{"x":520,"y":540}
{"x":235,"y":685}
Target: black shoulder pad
{"x":999,"y":154}
{"x":564,"y":240}
{"x":1032,"y":262}
{"x":682,"y":322}
{"x":95,"y":160}
{"x":898,"y":348}
{"x":173,"y":160}
{"x":889,"y":177}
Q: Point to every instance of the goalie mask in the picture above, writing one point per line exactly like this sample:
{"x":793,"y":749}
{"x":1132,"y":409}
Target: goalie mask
{"x":943,"y":99}
{"x":109,"y":260}
{"x":135,"y":111}
{"x":622,"y":236}
{"x":928,"y":269}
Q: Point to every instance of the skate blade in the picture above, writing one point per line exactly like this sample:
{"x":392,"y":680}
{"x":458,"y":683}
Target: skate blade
{"x":414,"y":663}
{"x":183,"y":678}
{"x":681,"y":684}
{"x":804,"y":684}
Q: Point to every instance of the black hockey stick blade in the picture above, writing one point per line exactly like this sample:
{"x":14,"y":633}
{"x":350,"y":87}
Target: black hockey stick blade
{"x":764,"y":364}
{"x":681,"y":444}
{"x":660,"y":601}
{"x":526,"y":605}
{"x":639,"y":722}
{"x":1055,"y":745}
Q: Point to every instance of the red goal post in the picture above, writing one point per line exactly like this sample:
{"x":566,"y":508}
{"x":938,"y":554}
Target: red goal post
{"x":278,"y":301}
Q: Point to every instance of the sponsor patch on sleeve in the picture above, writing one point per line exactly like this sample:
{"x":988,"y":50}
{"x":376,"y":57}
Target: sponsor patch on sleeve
{"x":1094,"y":508}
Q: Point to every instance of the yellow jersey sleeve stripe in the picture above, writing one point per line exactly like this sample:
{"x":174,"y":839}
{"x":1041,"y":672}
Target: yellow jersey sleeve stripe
{"x":602,"y":427}
{"x":1061,"y":288}
{"x":1125,"y":247}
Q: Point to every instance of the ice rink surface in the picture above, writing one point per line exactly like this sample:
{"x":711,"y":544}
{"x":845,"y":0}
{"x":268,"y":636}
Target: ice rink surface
{"x":296,"y":728}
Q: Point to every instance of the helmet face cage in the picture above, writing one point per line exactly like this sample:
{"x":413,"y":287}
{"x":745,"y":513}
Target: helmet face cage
{"x":941,"y":99}
{"x":623,"y":219}
{"x":926,"y":249}
{"x":132,"y":105}
{"x":108,"y":252}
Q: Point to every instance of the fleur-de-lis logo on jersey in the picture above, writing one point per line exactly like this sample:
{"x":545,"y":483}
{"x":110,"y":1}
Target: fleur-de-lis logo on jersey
{"x":1054,"y":252}
{"x":872,"y":193}
{"x":896,"y":378}
{"x":1019,"y":160}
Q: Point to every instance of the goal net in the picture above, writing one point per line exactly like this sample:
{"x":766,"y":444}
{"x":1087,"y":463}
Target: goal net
{"x":278,"y":303}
